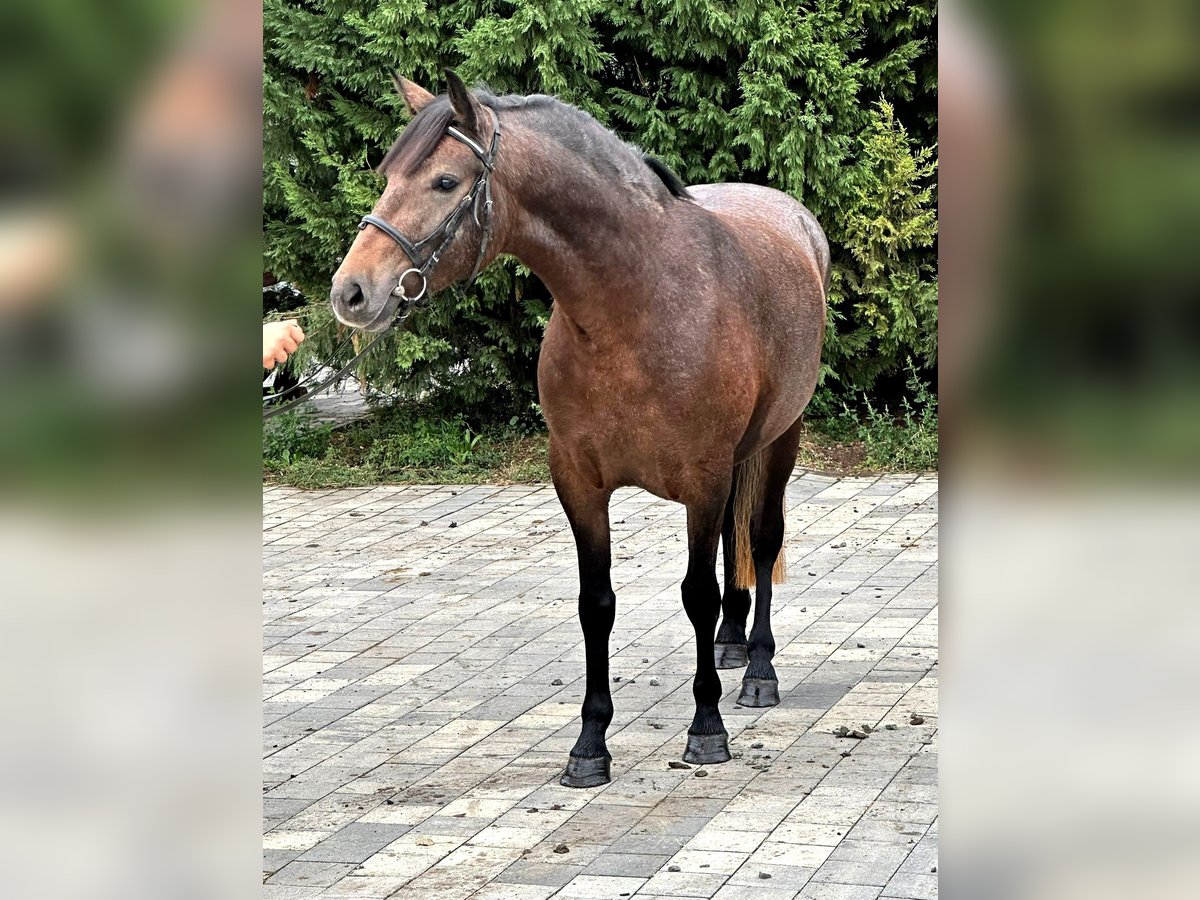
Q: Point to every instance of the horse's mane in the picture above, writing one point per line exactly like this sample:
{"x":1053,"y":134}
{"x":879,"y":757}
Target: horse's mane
{"x":669,"y":178}
{"x":568,"y":125}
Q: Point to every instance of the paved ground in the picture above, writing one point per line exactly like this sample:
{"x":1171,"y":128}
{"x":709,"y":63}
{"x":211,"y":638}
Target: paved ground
{"x":341,"y":402}
{"x":424,"y":669}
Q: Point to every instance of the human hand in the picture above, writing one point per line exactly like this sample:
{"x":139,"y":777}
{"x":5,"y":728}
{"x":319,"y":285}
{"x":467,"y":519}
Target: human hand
{"x":280,"y":339}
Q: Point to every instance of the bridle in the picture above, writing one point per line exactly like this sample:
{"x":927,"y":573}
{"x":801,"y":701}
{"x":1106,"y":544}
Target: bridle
{"x":478,"y":199}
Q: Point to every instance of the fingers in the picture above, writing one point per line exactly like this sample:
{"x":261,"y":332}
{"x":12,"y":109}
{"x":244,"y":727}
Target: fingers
{"x":276,"y":354}
{"x":280,"y":340}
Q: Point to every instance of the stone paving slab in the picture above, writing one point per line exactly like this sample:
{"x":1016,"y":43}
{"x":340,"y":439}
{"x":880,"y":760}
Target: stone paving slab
{"x":423,"y":670}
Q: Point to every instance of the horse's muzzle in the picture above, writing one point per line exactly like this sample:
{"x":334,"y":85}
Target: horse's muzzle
{"x":360,"y":305}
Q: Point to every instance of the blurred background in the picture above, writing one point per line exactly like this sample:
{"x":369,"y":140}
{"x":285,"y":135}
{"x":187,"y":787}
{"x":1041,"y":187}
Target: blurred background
{"x":130,"y":185}
{"x":1069,"y":376}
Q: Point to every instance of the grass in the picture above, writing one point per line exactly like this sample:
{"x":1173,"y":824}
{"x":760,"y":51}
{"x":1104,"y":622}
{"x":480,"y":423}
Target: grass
{"x":394,"y":447}
{"x":407,"y":447}
{"x":397,"y":447}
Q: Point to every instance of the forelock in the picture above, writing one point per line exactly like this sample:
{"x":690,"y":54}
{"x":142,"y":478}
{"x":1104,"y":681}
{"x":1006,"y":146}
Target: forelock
{"x":419,"y":138}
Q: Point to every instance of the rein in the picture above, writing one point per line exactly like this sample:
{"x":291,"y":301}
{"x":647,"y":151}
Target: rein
{"x":477,"y":198}
{"x":340,"y":373}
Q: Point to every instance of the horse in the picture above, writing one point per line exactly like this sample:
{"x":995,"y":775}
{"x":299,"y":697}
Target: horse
{"x":683,"y":346}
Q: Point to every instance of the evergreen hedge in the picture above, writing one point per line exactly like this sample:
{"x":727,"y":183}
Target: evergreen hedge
{"x":833,"y":101}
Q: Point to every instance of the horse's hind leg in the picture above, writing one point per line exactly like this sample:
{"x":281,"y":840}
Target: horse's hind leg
{"x":587,"y":510}
{"x":760,"y":684}
{"x":730,"y":648}
{"x":707,"y":742}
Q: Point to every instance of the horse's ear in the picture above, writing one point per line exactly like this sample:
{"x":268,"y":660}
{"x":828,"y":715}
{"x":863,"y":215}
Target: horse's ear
{"x":415,"y":96}
{"x":467,"y":111}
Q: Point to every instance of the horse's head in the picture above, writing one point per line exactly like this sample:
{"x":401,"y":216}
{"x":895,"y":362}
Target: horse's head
{"x":428,"y":228}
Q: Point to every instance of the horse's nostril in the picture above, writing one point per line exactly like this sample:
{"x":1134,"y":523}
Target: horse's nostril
{"x":353,"y":297}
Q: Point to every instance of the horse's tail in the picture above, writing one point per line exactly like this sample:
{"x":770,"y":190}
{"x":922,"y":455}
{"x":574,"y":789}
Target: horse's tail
{"x":749,"y":486}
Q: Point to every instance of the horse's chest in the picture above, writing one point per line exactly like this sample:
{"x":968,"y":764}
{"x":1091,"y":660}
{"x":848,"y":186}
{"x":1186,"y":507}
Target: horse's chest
{"x":592,"y":392}
{"x":618,"y":418}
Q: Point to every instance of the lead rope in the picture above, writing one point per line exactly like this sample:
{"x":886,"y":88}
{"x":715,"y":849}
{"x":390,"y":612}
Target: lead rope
{"x":304,"y":382}
{"x":409,"y":304}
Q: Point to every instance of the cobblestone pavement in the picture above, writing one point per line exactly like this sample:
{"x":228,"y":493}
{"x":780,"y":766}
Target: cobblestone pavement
{"x":424,"y":670}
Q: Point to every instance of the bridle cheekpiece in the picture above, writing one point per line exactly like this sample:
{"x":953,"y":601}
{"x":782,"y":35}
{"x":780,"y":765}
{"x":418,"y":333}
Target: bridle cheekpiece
{"x":478,"y":199}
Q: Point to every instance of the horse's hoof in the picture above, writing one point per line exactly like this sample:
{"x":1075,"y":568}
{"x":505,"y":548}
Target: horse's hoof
{"x":707,"y":749}
{"x":585,"y":773}
{"x":730,"y":656}
{"x":759,"y":692}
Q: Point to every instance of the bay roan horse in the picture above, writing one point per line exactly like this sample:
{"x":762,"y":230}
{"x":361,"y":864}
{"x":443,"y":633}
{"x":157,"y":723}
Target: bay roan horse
{"x":683,"y":346}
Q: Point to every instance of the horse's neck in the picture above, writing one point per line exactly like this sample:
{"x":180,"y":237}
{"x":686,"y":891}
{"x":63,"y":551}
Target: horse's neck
{"x":586,"y":238}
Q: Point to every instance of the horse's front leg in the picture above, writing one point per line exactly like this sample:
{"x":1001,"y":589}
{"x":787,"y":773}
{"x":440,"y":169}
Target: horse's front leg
{"x":587,"y":510}
{"x":708,"y":742}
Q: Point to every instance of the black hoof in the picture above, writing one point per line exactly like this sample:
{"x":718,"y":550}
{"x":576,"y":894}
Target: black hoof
{"x":759,"y":692}
{"x":730,"y":656}
{"x":707,"y":749}
{"x":586,"y":773}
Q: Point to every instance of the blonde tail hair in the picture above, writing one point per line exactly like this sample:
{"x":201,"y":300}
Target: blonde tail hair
{"x":751,"y":480}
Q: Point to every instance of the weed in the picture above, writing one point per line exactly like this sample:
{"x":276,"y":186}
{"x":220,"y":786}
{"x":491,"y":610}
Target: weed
{"x":292,"y":437}
{"x":904,"y":441}
{"x":426,"y":444}
{"x":462,"y":451}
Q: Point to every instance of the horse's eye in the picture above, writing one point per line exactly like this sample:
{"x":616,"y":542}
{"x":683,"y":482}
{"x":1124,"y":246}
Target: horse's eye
{"x":445,"y":183}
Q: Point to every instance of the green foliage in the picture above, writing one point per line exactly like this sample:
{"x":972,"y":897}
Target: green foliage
{"x":400,"y":444}
{"x":905,"y":441}
{"x":427,"y":444}
{"x":893,"y":289}
{"x":293,"y":436}
{"x":833,"y":101}
{"x":327,"y":472}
